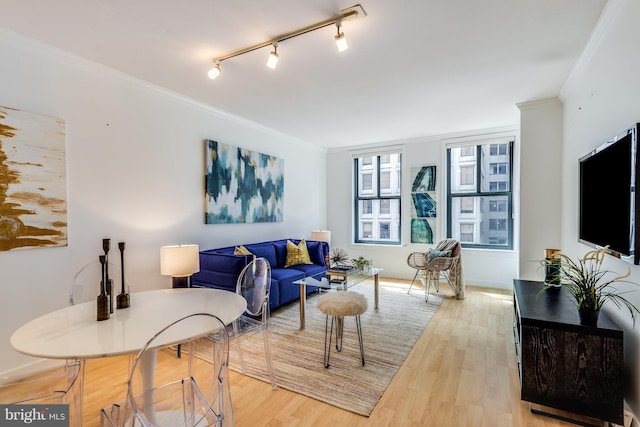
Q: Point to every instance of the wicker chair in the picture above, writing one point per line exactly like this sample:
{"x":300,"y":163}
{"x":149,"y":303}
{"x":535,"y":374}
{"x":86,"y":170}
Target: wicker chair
{"x":432,"y":268}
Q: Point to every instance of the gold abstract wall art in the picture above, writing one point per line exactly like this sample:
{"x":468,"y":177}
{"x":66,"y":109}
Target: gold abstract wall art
{"x":33,"y":184}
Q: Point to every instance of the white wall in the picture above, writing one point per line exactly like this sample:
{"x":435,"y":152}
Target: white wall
{"x":495,"y":269}
{"x":135,"y":170}
{"x":540,"y":184}
{"x":601,"y":100}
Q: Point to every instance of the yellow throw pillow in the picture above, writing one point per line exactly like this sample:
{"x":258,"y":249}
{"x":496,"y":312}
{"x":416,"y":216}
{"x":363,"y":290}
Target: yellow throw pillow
{"x":241,"y":250}
{"x":297,"y":254}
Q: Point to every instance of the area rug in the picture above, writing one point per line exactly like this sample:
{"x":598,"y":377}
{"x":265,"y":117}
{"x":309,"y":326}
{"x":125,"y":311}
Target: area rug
{"x":389,"y":334}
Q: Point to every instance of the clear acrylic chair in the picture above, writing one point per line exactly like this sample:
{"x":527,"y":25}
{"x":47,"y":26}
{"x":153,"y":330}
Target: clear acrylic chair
{"x":193,"y":390}
{"x":56,"y":382}
{"x":254,"y":284}
{"x":432,"y":266}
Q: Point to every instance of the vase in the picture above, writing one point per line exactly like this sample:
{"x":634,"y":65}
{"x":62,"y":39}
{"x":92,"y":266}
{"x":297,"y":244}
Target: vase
{"x":588,"y":317}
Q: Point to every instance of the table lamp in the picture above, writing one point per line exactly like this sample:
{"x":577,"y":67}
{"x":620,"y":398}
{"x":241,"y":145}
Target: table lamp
{"x":321,"y":235}
{"x":180,"y":262}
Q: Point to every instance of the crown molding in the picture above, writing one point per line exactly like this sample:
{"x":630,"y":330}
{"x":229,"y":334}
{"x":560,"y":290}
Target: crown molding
{"x":609,"y":13}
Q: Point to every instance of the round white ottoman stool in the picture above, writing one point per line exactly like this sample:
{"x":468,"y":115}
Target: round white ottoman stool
{"x":338,"y":305}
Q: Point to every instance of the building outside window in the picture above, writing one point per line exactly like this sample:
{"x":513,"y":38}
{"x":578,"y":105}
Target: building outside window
{"x":479,"y":194}
{"x":377,"y":198}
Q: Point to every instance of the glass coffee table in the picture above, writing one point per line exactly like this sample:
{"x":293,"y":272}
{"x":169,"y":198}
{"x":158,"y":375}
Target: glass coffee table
{"x":345,"y":281}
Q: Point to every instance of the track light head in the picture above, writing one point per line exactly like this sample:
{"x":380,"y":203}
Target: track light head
{"x":272,"y":61}
{"x":214,"y":72}
{"x":341,"y":40}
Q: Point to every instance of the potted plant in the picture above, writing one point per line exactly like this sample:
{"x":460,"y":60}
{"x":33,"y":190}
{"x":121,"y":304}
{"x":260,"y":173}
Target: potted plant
{"x":361,"y":263}
{"x":590,"y":285}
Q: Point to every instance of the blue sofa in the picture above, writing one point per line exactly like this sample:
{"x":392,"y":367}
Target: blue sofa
{"x":220,"y":268}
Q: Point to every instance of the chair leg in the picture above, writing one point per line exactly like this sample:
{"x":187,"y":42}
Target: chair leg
{"x":339,"y":332}
{"x":328,"y":333}
{"x":414,"y":279}
{"x":267,"y":353}
{"x":427,"y":288}
{"x":359,"y":327}
{"x":238,"y":336}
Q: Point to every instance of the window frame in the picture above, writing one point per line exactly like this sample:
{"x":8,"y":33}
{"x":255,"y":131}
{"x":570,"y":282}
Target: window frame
{"x":377,"y":194}
{"x":479,"y":193}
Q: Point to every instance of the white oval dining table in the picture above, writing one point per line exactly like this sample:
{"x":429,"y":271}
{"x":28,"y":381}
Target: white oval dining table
{"x":73,"y":332}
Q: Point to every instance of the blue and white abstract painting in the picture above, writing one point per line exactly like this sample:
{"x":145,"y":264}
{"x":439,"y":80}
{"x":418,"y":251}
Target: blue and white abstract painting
{"x":423,"y":206}
{"x":242,"y":186}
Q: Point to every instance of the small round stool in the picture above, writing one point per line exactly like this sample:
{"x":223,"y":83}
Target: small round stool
{"x":338,"y":305}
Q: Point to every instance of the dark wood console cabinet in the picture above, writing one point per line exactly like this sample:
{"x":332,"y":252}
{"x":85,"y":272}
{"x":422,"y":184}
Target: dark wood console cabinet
{"x":563,"y":364}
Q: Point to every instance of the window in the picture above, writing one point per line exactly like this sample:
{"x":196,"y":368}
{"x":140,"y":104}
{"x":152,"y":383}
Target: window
{"x":466,"y":233}
{"x":467,"y":151}
{"x":466,"y":205}
{"x":466,"y":175}
{"x":385,"y":207}
{"x":497,"y":224}
{"x":499,"y":168}
{"x":479,"y":195}
{"x":498,"y":186}
{"x":498,"y":149}
{"x":497,"y":205}
{"x":377,"y":198}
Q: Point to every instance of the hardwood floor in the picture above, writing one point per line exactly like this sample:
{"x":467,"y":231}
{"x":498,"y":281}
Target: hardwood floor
{"x":461,"y":372}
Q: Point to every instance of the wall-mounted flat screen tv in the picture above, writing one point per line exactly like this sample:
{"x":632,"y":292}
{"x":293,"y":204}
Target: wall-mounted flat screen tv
{"x":607,"y":205}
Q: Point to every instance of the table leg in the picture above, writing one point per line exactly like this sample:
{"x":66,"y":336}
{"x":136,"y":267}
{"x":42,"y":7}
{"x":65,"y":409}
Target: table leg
{"x":376,"y":286}
{"x":147,"y":369}
{"x":303,"y":303}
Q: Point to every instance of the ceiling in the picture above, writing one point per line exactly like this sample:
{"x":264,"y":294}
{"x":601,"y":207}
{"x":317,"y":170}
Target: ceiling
{"x":414,"y":68}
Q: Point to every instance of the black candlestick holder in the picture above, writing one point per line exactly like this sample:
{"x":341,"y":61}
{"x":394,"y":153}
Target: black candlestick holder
{"x":106,"y":245}
{"x":123,"y":298}
{"x":103,"y":298}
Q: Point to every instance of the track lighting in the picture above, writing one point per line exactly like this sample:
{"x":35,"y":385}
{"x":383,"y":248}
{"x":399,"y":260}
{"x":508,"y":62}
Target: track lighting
{"x":346,"y":14}
{"x":341,"y":41}
{"x":214,"y":72}
{"x":272,"y":61}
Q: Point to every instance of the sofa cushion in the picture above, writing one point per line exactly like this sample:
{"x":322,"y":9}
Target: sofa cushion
{"x":315,"y":252}
{"x":265,"y":250}
{"x":297,"y":254}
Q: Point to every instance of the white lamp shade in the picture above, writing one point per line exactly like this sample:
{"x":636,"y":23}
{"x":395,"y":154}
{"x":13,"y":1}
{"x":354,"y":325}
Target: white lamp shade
{"x":179,"y":260}
{"x":321,"y":235}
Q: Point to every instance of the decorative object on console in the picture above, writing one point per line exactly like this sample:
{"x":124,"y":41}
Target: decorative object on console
{"x":552,"y":267}
{"x":338,"y":257}
{"x":180,"y":262}
{"x":242,"y":185}
{"x":103,"y":298}
{"x":585,"y":280}
{"x":361,"y":264}
{"x":423,"y":206}
{"x":106,"y":245}
{"x":124,"y":299}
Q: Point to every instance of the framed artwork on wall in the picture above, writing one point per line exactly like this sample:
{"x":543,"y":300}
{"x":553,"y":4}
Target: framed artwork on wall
{"x":242,"y":186}
{"x":423,"y":204}
{"x":33,"y":184}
